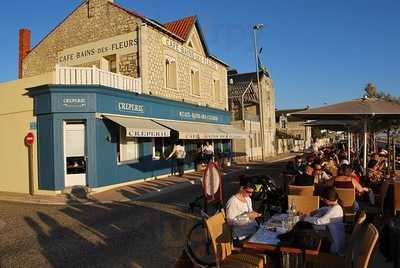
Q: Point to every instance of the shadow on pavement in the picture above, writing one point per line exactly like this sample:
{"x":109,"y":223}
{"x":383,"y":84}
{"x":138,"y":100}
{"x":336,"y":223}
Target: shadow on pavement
{"x":135,"y":234}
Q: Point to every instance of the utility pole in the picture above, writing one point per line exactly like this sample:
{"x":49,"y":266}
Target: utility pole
{"x":260,"y":92}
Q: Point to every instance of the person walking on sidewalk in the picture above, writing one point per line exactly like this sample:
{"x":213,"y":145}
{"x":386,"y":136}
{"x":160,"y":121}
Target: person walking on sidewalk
{"x":208,"y":151}
{"x":180,"y":154}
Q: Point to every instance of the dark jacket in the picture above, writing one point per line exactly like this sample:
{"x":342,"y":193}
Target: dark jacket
{"x":304,"y":180}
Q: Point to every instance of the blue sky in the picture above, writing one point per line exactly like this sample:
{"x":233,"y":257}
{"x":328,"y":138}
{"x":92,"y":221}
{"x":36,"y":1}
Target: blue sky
{"x":317,"y":51}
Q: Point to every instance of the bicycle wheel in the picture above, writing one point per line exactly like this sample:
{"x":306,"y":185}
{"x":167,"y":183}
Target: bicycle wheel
{"x":199,"y":245}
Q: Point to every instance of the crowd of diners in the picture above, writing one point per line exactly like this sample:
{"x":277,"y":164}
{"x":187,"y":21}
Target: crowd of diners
{"x":326,"y":169}
{"x":329,"y":166}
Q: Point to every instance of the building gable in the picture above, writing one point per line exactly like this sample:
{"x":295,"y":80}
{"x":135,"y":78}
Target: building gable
{"x":195,"y":43}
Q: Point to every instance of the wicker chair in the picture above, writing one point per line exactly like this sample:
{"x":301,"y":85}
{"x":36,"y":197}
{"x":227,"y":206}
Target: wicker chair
{"x":304,"y":203}
{"x":396,"y":204}
{"x":301,"y":190}
{"x":347,"y":196}
{"x":368,"y":244}
{"x":332,"y":260}
{"x":221,"y":238}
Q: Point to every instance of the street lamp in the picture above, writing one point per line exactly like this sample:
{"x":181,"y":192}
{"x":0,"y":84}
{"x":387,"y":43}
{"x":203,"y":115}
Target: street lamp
{"x":257,"y":27}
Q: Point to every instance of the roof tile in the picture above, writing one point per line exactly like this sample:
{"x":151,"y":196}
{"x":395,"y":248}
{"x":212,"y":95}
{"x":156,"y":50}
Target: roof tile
{"x":181,"y":27}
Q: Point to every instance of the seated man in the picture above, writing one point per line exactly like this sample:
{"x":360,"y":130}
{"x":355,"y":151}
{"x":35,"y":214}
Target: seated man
{"x":305,"y":179}
{"x":239,"y":212}
{"x":332,"y":217}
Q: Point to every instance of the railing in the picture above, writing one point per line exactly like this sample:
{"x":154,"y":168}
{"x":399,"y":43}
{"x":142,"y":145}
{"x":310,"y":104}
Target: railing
{"x":95,"y":76}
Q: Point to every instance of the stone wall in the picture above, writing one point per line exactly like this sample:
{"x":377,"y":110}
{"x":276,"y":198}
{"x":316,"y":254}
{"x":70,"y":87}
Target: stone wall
{"x":268,"y":98}
{"x":154,"y":54}
{"x":103,"y":20}
{"x":128,"y":65}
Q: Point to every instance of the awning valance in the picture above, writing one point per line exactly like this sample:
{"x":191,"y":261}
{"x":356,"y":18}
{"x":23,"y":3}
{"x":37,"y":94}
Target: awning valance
{"x":198,"y":131}
{"x":233,"y":132}
{"x":138,"y":127}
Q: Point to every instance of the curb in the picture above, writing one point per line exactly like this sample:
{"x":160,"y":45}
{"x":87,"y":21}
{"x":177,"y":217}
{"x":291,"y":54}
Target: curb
{"x":165,"y":190}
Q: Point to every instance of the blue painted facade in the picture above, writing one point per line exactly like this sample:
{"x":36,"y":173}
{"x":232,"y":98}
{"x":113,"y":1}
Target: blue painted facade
{"x":55,"y":104}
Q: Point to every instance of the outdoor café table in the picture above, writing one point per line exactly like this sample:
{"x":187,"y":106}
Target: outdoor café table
{"x":265,"y":239}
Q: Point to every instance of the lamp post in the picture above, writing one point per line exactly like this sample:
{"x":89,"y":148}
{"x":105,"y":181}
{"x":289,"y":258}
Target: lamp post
{"x":257,"y":27}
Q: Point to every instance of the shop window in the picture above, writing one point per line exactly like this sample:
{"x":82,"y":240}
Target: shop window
{"x":76,"y":165}
{"x":158,"y":148}
{"x":195,"y":81}
{"x":217,"y":90}
{"x":128,"y":148}
{"x":170,"y":74}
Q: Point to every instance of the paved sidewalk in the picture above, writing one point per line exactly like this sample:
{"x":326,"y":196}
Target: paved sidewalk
{"x":134,"y":191}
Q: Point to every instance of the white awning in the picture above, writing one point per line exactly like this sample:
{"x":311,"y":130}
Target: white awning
{"x":233,"y":132}
{"x":138,"y":127}
{"x":201,"y":131}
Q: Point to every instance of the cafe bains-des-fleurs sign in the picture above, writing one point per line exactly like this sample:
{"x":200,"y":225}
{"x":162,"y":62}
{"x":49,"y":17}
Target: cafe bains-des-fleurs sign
{"x":120,"y":44}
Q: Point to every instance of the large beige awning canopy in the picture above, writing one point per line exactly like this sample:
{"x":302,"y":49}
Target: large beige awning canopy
{"x":138,"y":127}
{"x":202,"y":131}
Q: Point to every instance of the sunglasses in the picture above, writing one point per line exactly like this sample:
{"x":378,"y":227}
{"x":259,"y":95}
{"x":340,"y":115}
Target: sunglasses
{"x":249,"y":191}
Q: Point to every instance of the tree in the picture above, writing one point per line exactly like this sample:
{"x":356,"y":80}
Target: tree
{"x":371,"y":90}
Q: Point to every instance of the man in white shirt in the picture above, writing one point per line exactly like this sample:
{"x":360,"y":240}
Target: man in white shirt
{"x":180,"y":154}
{"x":239,"y":212}
{"x":208,"y":151}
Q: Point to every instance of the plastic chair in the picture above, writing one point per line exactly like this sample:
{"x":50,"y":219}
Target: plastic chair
{"x":221,"y":239}
{"x":301,"y":190}
{"x":304,"y":203}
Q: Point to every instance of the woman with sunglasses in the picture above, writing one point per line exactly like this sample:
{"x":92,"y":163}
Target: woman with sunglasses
{"x":240,"y":214}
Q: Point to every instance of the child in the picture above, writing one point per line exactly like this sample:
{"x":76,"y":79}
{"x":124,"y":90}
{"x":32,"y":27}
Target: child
{"x":330,"y":216}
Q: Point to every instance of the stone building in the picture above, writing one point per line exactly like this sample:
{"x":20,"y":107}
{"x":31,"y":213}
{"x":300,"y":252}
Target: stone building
{"x":107,"y":93}
{"x":172,"y":59}
{"x":244,"y":100}
{"x":293,"y":127}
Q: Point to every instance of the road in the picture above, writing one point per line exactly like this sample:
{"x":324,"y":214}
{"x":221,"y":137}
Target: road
{"x":146,"y":233}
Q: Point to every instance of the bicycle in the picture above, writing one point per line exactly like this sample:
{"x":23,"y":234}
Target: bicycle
{"x":199,"y":244}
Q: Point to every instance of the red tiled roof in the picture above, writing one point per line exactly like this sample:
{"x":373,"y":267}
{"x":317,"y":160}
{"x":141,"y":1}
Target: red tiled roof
{"x":181,"y":27}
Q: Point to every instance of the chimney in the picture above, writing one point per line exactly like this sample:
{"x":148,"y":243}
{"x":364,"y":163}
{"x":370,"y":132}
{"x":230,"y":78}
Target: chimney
{"x":94,"y":7}
{"x":24,"y":47}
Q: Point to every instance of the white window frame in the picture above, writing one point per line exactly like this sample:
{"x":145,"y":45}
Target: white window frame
{"x":129,"y":141}
{"x":195,"y":70}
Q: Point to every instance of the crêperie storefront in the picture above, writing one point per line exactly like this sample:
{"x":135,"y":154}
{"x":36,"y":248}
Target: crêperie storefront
{"x":97,"y":136}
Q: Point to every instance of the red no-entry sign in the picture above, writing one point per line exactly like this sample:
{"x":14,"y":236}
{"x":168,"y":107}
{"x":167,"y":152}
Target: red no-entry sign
{"x":29,"y":138}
